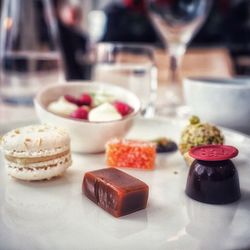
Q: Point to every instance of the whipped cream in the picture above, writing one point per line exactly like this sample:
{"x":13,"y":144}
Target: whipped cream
{"x":62,"y":107}
{"x":104,"y":112}
{"x":102,"y":97}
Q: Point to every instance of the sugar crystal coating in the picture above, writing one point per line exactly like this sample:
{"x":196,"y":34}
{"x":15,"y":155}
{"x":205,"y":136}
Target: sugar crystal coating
{"x":130,"y":153}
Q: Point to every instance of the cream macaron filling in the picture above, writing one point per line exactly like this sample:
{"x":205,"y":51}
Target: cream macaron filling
{"x":24,"y":161}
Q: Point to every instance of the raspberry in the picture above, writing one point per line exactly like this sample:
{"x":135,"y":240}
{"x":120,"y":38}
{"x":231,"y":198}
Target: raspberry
{"x":80,"y":113}
{"x":85,"y":99}
{"x":123,"y":108}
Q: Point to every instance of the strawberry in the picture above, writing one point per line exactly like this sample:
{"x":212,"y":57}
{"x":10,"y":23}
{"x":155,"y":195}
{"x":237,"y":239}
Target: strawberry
{"x":80,"y":113}
{"x":123,"y":108}
{"x":85,"y":99}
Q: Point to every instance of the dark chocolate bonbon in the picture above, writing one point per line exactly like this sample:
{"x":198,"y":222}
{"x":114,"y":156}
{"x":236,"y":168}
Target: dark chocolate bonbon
{"x":213,"y":181}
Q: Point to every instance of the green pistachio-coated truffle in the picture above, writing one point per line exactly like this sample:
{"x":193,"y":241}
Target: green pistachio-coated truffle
{"x":197,"y":134}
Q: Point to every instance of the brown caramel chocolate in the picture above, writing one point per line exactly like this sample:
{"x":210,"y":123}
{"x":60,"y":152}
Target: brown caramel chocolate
{"x":115,"y":191}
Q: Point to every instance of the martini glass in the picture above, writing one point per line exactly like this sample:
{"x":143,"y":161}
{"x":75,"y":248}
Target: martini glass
{"x":177,"y":21}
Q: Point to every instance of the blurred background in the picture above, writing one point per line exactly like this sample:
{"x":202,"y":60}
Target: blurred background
{"x":220,"y":48}
{"x":225,"y":34}
{"x":227,"y":29}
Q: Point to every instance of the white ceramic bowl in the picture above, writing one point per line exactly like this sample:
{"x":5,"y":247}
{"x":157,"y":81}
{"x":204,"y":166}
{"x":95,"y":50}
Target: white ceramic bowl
{"x":86,"y":137}
{"x":224,"y":102}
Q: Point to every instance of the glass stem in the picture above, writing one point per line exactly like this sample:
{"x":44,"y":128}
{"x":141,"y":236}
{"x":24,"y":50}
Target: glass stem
{"x":175,"y":56}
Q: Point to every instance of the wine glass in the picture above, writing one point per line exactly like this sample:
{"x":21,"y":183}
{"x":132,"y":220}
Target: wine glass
{"x":29,"y":53}
{"x":177,"y":21}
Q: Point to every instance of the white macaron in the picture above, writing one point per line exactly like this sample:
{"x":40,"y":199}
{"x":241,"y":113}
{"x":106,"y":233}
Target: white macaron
{"x":36,"y":152}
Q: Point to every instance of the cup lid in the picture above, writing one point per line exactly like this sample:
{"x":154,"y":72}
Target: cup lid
{"x":213,"y":152}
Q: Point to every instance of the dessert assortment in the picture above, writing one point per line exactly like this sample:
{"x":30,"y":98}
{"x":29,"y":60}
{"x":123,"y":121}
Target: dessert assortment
{"x":115,"y":191}
{"x":36,"y":152}
{"x":41,"y":152}
{"x":92,"y":107}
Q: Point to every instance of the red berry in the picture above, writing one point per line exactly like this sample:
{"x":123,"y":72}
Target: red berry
{"x":85,"y":99}
{"x":123,"y":108}
{"x":80,"y":113}
{"x":71,"y":99}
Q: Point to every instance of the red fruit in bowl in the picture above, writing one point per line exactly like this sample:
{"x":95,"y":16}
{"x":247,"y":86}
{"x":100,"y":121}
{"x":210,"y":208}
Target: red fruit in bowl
{"x":80,"y":113}
{"x":85,"y":99}
{"x":123,"y":108}
{"x":71,"y":99}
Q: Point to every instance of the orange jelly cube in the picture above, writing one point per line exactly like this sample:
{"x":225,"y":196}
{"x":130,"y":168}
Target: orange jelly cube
{"x":130,"y":153}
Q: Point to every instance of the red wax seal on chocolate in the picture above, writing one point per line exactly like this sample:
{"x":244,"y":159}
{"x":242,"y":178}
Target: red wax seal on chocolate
{"x":213,"y":152}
